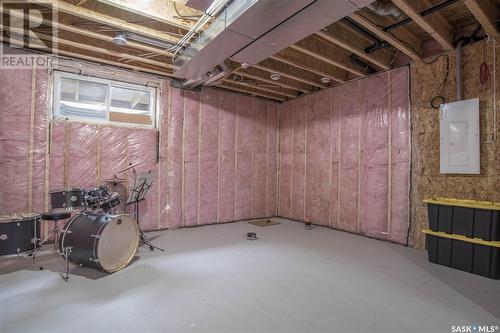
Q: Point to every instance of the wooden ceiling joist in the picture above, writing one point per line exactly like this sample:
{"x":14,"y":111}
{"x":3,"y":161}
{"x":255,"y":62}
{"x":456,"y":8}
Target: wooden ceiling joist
{"x":287,"y":71}
{"x":486,"y":13}
{"x":296,"y":59}
{"x":294,"y":64}
{"x":250,"y":92}
{"x":393,"y":40}
{"x":91,"y":34}
{"x":90,"y":15}
{"x":332,"y":56}
{"x":245,"y":73}
{"x":257,"y":87}
{"x":99,"y":60}
{"x":339,"y":39}
{"x":434,"y":24}
{"x":96,"y":49}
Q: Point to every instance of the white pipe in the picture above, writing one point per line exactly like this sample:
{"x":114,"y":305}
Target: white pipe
{"x":458,"y":63}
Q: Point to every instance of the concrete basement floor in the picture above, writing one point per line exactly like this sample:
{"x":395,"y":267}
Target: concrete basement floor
{"x":211,"y":279}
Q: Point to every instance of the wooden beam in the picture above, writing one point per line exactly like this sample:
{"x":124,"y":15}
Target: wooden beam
{"x":90,"y":15}
{"x":485,"y":13}
{"x":297,"y":65}
{"x":250,"y":92}
{"x":96,"y":49}
{"x":340,"y":39}
{"x":265,"y":79}
{"x":159,"y":10}
{"x":296,"y":59}
{"x":286,"y":72}
{"x":332,"y":55}
{"x":394,"y":41}
{"x":434,"y":24}
{"x":91,"y":34}
{"x":99,"y":60}
{"x":270,"y":90}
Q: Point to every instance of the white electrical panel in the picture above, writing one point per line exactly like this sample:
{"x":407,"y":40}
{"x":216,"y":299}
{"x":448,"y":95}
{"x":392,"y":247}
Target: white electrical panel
{"x":459,"y":133}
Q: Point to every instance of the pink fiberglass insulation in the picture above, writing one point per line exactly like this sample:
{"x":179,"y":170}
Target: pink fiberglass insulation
{"x":259,"y":162}
{"x":175,"y":144}
{"x":318,"y":157}
{"x":374,"y":156}
{"x":298,"y":189}
{"x":57,"y":155}
{"x":271,"y":163}
{"x":357,"y":156}
{"x":350,"y":122}
{"x":209,"y":153}
{"x":335,"y":142}
{"x":113,"y":158}
{"x":142,"y":147}
{"x":244,"y":147}
{"x":14,"y":136}
{"x":165,"y":103}
{"x":82,"y":155}
{"x":400,"y":155}
{"x":217,"y":158}
{"x":227,"y":156}
{"x":40,"y":143}
{"x":285,"y":160}
{"x":191,"y":158}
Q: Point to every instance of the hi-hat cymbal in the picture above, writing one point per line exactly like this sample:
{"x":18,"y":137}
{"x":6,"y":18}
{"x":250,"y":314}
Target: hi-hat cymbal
{"x":129,"y":167}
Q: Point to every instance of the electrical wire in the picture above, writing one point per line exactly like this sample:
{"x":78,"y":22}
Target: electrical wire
{"x":484,"y":70}
{"x":439,"y":99}
{"x":484,"y":74}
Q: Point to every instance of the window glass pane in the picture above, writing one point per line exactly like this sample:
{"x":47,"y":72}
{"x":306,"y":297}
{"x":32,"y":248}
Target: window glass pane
{"x":82,"y":99}
{"x":128,"y":100}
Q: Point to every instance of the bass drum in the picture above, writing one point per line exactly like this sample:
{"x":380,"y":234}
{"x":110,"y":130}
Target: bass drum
{"x":104,"y":241}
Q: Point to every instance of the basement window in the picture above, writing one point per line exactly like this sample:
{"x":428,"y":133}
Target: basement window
{"x":84,"y":98}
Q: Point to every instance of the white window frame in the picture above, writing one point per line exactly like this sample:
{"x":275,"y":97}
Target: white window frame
{"x":58,"y":75}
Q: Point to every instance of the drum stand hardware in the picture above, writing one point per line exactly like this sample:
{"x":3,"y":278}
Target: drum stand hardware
{"x":54,"y":216}
{"x":142,"y":184}
{"x":67,"y":252}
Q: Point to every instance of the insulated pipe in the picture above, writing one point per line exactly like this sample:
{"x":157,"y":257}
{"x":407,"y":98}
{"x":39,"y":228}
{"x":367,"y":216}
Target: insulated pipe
{"x":458,"y":65}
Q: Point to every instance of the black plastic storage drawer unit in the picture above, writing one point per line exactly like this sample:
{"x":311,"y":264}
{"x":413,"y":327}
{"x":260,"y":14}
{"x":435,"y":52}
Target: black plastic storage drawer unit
{"x":466,"y":256}
{"x":470,"y":218}
{"x":464,"y":234}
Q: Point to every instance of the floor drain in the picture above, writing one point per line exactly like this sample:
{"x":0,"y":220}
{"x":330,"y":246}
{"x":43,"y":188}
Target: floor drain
{"x":251,"y":236}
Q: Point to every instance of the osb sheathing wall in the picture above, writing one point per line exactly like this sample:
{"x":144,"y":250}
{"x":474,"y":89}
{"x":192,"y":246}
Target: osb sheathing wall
{"x":216,"y":161}
{"x":426,"y":179}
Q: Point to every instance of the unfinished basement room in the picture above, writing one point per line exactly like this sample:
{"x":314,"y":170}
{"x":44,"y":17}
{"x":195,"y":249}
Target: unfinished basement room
{"x":249,"y":166}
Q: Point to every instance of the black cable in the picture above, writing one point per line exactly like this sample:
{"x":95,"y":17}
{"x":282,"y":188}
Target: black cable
{"x":439,"y":99}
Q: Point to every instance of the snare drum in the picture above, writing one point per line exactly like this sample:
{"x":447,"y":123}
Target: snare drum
{"x":17,"y":232}
{"x":71,"y":198}
{"x":104,"y":241}
{"x":108,"y":204}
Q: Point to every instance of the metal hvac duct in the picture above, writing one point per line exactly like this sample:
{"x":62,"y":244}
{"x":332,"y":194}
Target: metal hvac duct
{"x":252,"y":30}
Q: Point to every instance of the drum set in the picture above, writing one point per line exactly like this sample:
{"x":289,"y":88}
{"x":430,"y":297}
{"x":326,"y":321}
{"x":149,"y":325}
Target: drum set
{"x":94,"y":235}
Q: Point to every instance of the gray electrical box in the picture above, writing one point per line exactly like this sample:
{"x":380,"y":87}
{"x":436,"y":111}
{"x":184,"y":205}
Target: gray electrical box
{"x":459,"y":137}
